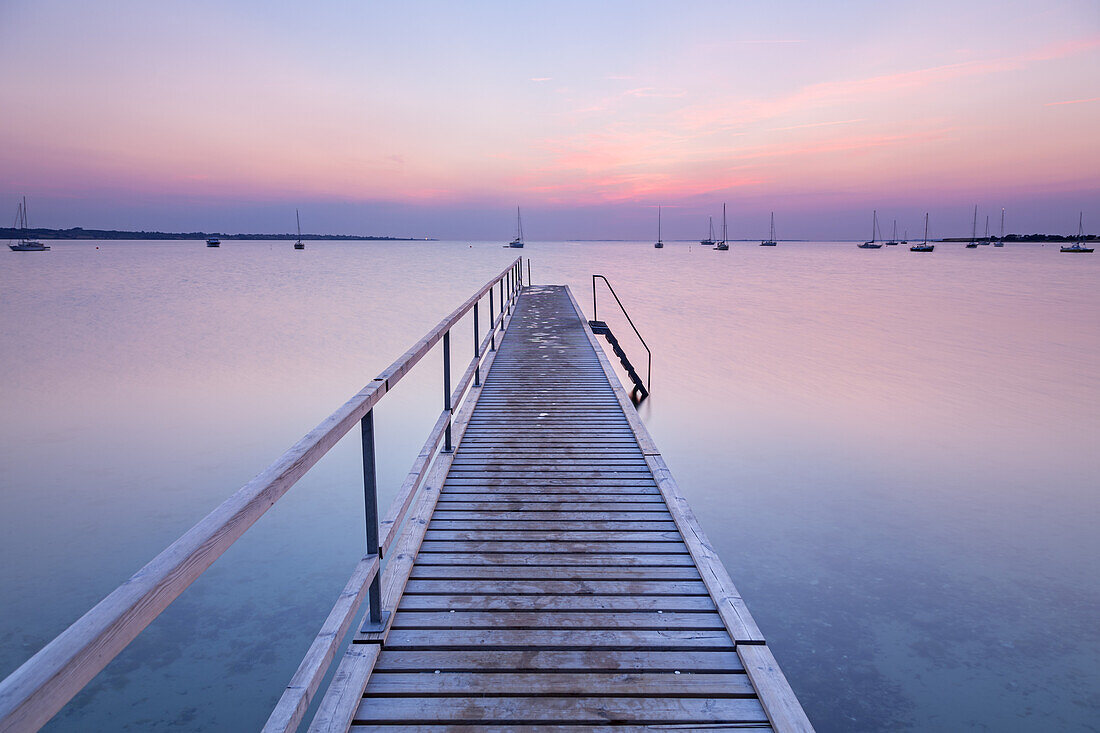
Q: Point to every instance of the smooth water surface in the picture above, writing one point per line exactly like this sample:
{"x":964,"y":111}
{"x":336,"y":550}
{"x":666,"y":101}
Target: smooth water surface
{"x":894,"y":453}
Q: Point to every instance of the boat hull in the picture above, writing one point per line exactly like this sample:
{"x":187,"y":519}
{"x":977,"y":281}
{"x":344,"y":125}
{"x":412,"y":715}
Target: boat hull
{"x":29,"y":247}
{"x":870,"y":245}
{"x":299,"y":245}
{"x":768,"y":244}
{"x":1078,"y":250}
{"x":922,"y":248}
{"x":658,"y":245}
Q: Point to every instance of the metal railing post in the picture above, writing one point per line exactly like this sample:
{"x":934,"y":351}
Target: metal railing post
{"x":477,"y":357}
{"x":492,"y":324}
{"x":370,"y":503}
{"x":503,"y":305}
{"x":528,"y":271}
{"x":447,"y":447}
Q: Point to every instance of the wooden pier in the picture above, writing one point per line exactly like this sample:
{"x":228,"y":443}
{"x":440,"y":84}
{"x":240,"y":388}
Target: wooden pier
{"x":543,"y":573}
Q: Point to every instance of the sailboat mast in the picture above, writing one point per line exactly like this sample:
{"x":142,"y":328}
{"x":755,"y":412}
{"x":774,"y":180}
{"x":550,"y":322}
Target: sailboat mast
{"x":926,"y":227}
{"x":974,"y":228}
{"x":1002,"y":222}
{"x":723,"y":223}
{"x":299,"y":220}
{"x":874,"y":224}
{"x":658,"y":223}
{"x":24,"y":212}
{"x":771,"y":237}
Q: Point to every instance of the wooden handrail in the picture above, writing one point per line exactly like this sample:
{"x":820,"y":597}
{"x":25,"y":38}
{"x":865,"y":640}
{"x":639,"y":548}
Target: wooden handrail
{"x":41,"y":686}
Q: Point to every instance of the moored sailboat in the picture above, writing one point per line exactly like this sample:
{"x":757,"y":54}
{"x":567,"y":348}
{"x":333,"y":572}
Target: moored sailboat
{"x":894,"y":237}
{"x":1079,"y":245}
{"x":973,"y":243}
{"x":925,"y":246}
{"x":299,"y":244}
{"x":517,"y":243}
{"x":709,"y":241}
{"x":770,"y":241}
{"x":873,"y":244}
{"x":724,"y":245}
{"x":1001,"y":240}
{"x":24,"y":244}
{"x":659,"y":244}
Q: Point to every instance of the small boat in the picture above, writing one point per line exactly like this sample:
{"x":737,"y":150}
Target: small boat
{"x":299,"y":244}
{"x":213,"y":242}
{"x":724,"y":245}
{"x":658,"y":244}
{"x":517,"y":243}
{"x":24,"y":244}
{"x":985,"y":239}
{"x":1001,"y":240}
{"x":905,"y":239}
{"x":925,"y":247}
{"x":894,"y":237}
{"x":770,"y":241}
{"x":709,"y":241}
{"x":973,"y":243}
{"x":873,"y":244}
{"x":1079,"y":245}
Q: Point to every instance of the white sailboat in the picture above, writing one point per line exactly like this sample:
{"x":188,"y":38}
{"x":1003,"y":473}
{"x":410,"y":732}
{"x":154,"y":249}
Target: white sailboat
{"x":299,"y":244}
{"x":1001,"y":240}
{"x":24,"y":244}
{"x":893,"y":237}
{"x":659,"y":244}
{"x":517,"y":243}
{"x":709,"y":241}
{"x":873,"y":244}
{"x":770,"y":241}
{"x":1079,"y":245}
{"x":925,"y":246}
{"x":724,"y":245}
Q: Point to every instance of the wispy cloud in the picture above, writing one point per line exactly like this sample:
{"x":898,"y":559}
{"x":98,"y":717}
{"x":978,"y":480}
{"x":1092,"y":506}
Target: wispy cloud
{"x":763,"y":42}
{"x":1072,"y":101}
{"x":820,"y":124}
{"x":542,"y":78}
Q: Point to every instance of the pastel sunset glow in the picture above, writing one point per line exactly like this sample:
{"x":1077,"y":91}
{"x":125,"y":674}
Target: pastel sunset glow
{"x":435,"y":118}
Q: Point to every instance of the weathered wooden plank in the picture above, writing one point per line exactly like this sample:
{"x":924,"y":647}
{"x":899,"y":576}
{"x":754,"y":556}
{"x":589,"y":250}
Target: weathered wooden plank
{"x":567,"y":572}
{"x":783,"y":709}
{"x":636,"y":620}
{"x":558,"y":602}
{"x":536,"y":535}
{"x":566,"y":709}
{"x":548,"y":586}
{"x":428,"y":558}
{"x":618,"y":684}
{"x":535,"y":660}
{"x":341,"y":700}
{"x":512,"y":728}
{"x":650,"y":548}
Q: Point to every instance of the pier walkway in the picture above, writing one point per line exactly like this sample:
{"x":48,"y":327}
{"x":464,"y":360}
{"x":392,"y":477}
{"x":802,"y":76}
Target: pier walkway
{"x":562,"y":579}
{"x":538,"y":569}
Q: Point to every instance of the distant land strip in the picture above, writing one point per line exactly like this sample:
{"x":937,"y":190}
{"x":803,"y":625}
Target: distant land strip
{"x":81,"y":233}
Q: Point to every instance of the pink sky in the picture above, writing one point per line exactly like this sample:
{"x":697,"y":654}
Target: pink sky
{"x":435,"y":119}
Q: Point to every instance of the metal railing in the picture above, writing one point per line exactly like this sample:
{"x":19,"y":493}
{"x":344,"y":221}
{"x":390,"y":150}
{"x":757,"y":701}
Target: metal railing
{"x":649,"y":360}
{"x":38,"y":689}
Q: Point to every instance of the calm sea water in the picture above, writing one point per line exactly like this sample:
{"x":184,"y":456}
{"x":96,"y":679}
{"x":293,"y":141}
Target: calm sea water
{"x":895,"y":454}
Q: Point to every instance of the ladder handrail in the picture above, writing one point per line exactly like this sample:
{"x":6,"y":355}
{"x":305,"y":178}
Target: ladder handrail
{"x":649,"y":361}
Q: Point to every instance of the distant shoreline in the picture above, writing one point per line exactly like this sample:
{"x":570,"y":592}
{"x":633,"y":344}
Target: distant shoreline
{"x":101,"y":234}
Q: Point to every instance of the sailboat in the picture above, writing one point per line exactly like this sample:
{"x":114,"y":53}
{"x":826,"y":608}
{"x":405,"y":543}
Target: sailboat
{"x":659,"y":244}
{"x":213,"y":242}
{"x":874,"y":234}
{"x":973,"y":243}
{"x":770,"y":241}
{"x":1001,"y":241}
{"x":24,"y":244}
{"x":894,"y":237}
{"x":925,"y":247}
{"x":724,"y":245}
{"x":709,"y":241}
{"x":517,"y":243}
{"x":299,"y":244}
{"x":1079,"y":245}
{"x":905,"y":238}
{"x":985,"y":239}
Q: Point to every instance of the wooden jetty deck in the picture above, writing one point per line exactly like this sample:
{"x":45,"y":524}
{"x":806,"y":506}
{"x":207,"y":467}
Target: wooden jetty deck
{"x":562,"y":580}
{"x":538,"y":570}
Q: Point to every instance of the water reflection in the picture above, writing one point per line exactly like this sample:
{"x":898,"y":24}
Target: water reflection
{"x":889,"y":451}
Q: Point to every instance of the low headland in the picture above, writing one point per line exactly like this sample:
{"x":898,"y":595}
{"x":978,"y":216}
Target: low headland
{"x":98,"y":234}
